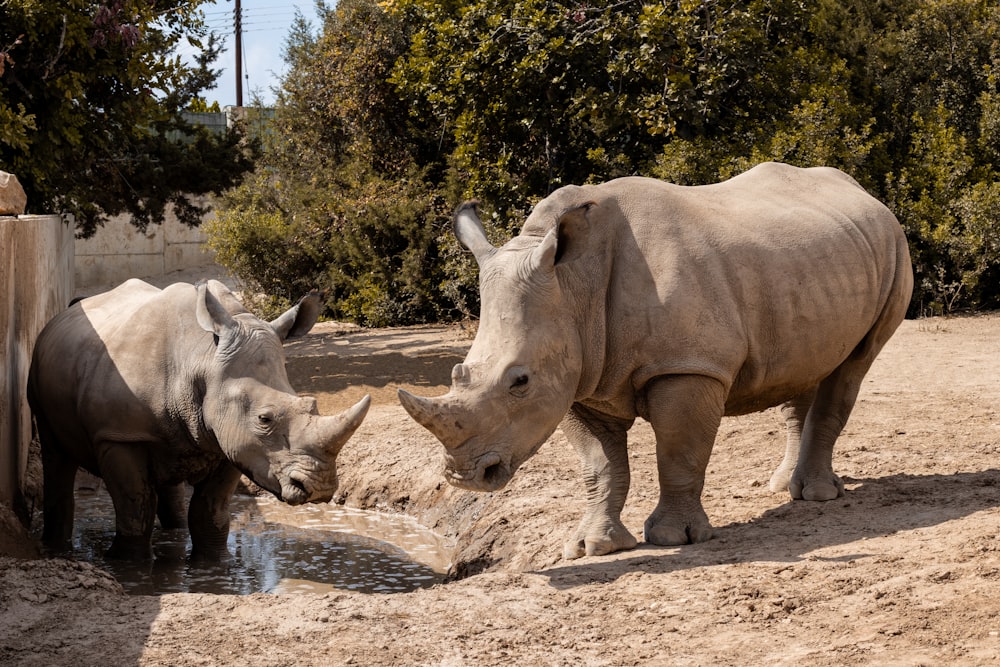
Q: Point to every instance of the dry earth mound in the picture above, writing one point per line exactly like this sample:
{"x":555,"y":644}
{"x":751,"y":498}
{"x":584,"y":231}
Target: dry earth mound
{"x":904,"y":570}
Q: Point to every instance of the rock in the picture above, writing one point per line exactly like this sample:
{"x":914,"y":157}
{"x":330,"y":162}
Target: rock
{"x":12,"y":197}
{"x":14,"y":538}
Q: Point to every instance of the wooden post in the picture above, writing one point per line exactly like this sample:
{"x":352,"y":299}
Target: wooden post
{"x":238,"y":26}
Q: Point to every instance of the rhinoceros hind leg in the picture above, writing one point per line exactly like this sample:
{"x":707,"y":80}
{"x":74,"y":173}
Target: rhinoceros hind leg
{"x":124,"y":468}
{"x":170,"y":506}
{"x":794,"y":412}
{"x":685,"y":412}
{"x":58,"y":475}
{"x":814,"y":478}
{"x":601,"y":444}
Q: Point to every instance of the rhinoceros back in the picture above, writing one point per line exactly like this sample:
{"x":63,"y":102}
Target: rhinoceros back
{"x":766,"y":282}
{"x":107,"y":368}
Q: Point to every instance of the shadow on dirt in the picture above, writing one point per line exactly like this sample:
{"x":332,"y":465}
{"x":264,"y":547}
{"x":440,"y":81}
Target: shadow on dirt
{"x":879,"y":506}
{"x":349,"y":341}
{"x":332,"y":374}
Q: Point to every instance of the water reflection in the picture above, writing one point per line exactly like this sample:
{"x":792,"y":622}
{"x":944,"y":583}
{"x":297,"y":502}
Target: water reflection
{"x":274,"y":548}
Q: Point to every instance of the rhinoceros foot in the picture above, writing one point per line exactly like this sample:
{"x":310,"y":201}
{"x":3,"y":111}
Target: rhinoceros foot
{"x":828,"y":487}
{"x":780,"y":479}
{"x":670,"y":527}
{"x":130,"y":547}
{"x":597,"y":538}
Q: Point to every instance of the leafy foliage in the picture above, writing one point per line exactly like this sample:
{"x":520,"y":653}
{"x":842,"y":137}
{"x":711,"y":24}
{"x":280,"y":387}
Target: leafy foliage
{"x":939,"y":71}
{"x":89,"y":93}
{"x":339,"y":200}
{"x":507,"y":100}
{"x":373,"y":248}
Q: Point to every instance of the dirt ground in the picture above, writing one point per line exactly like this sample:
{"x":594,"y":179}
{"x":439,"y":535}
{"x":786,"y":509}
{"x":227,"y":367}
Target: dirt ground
{"x":903,"y":570}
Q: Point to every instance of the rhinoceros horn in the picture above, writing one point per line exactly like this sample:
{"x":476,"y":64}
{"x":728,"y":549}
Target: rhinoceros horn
{"x":434,"y":414}
{"x":339,"y":428}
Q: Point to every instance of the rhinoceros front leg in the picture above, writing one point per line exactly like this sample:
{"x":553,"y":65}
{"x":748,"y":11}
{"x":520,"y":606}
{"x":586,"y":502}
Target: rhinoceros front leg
{"x":601,"y":445}
{"x":794,"y":412}
{"x":685,"y":412}
{"x":208,"y":512}
{"x":124,"y":468}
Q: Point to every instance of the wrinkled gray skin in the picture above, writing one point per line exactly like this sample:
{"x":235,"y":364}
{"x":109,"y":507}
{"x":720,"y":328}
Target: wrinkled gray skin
{"x":150,"y":389}
{"x":638,"y":298}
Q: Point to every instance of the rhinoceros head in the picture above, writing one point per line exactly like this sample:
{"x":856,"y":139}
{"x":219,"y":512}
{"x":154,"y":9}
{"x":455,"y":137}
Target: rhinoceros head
{"x":275,"y":437}
{"x":521,"y":373}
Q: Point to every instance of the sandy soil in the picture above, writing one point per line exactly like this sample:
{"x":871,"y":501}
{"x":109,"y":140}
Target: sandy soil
{"x":903,"y":570}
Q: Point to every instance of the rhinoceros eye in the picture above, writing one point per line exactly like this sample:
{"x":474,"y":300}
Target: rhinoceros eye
{"x":519,"y":385}
{"x":517,"y":380}
{"x":265,"y":420}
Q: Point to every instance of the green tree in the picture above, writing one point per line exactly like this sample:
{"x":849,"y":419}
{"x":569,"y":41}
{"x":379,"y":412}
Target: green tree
{"x":506,"y":100}
{"x":90,"y":91}
{"x":940,"y":111}
{"x":340,"y":200}
{"x":902,"y":95}
{"x":534,"y":94}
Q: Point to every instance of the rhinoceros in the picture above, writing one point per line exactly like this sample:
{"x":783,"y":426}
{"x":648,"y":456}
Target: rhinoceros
{"x":679,"y":305}
{"x":151,"y":389}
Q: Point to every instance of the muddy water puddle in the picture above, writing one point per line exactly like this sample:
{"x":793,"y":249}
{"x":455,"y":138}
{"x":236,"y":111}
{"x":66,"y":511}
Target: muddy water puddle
{"x":274,"y":548}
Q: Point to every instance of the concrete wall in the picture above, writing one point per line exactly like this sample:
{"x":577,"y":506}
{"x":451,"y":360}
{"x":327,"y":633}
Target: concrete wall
{"x":36,"y":282}
{"x":118,"y":251}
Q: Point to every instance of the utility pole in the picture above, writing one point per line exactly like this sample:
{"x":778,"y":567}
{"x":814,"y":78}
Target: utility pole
{"x":238,"y":26}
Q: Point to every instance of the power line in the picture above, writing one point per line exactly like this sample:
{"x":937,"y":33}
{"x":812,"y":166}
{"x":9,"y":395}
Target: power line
{"x":233,"y":19}
{"x":238,"y":30}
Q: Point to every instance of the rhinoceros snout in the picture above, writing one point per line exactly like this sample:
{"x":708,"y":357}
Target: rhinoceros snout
{"x":295,"y":491}
{"x":488,"y":473}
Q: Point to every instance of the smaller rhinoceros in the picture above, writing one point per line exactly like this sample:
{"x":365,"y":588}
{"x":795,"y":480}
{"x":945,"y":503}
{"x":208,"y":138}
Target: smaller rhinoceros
{"x":151,"y":388}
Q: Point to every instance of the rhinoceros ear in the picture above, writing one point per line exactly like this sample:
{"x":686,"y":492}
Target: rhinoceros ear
{"x":565,"y":241}
{"x":212,"y":315}
{"x":470,"y":232}
{"x":226,"y":297}
{"x":300,"y":318}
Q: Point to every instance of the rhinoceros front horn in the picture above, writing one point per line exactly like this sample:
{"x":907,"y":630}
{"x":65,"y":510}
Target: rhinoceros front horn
{"x":430,"y":413}
{"x":341,"y":427}
{"x":421,"y":409}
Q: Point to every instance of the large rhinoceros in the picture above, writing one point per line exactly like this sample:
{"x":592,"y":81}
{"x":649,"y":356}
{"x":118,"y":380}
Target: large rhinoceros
{"x":639,"y":298}
{"x":151,"y":388}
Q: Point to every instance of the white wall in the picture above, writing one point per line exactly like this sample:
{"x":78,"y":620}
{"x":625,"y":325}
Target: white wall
{"x":118,"y":251}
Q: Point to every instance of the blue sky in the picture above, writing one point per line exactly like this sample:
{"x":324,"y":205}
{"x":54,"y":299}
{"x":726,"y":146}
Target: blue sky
{"x":265,"y":27}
